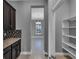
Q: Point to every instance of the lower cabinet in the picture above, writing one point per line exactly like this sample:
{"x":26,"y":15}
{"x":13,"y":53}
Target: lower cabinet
{"x":16,"y":49}
{"x":7,"y":53}
{"x":13,"y":51}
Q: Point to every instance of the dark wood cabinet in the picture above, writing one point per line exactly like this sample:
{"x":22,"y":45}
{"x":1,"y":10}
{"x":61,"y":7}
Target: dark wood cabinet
{"x":9,"y":14}
{"x":13,"y":16}
{"x":13,"y":51}
{"x":16,"y":49}
{"x":7,"y":53}
{"x":6,"y":16}
{"x":13,"y":54}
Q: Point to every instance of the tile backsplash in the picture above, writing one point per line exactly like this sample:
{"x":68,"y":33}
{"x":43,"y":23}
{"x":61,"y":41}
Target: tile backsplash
{"x":12,"y":34}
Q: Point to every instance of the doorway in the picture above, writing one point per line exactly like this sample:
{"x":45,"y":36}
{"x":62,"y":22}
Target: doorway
{"x":37,"y":29}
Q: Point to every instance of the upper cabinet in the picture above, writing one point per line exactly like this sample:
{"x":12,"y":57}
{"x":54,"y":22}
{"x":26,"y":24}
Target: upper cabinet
{"x":13,"y":16}
{"x":8,"y":16}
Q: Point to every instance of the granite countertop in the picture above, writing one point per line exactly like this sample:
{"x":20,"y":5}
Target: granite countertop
{"x":9,"y":41}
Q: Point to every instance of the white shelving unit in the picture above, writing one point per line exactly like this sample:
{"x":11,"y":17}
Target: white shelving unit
{"x":69,"y":35}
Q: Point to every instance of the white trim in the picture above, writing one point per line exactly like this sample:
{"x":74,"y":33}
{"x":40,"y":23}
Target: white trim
{"x":29,"y":53}
{"x":26,"y":53}
{"x":58,"y":5}
{"x":37,"y":37}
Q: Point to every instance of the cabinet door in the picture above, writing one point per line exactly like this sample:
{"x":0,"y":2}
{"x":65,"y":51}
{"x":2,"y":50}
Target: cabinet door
{"x":17,"y":51}
{"x":18,"y":48}
{"x":7,"y":55}
{"x":13,"y":22}
{"x":6,"y":16}
{"x":14,"y":53}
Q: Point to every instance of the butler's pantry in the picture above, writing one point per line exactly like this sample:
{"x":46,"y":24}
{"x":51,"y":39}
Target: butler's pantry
{"x":39,"y":29}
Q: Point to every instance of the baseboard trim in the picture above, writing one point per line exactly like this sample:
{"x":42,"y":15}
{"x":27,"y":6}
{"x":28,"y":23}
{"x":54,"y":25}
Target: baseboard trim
{"x":29,"y":53}
{"x":26,"y":53}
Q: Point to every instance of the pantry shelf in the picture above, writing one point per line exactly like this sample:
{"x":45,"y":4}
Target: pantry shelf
{"x":70,"y":44}
{"x":70,"y":51}
{"x":69,"y":36}
{"x":70,"y":19}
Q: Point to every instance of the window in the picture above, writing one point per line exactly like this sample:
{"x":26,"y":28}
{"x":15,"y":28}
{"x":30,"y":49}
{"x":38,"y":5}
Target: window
{"x":38,"y":27}
{"x":37,"y":13}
